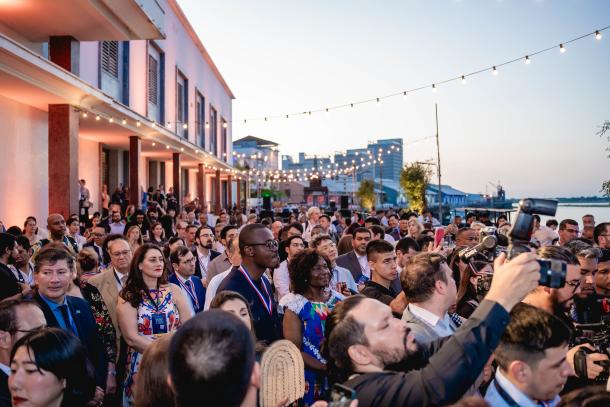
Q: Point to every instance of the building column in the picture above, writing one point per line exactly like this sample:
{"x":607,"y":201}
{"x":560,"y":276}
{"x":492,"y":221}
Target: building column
{"x":201,"y":184}
{"x":217,"y":203}
{"x":176,"y":179}
{"x":65,"y":52}
{"x":238,"y":202}
{"x":135,"y":148}
{"x":63,"y":160}
{"x":229,"y":191}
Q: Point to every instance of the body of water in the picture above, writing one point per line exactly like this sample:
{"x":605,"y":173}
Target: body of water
{"x":601,"y":212}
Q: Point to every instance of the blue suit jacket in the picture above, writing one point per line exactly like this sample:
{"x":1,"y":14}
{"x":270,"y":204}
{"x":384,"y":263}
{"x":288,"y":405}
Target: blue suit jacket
{"x":199,"y":291}
{"x":88,"y":333}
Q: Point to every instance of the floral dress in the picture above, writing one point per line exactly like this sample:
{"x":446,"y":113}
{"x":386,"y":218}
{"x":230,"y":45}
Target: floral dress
{"x":313,"y":318}
{"x":147,"y":308}
{"x":102,"y":318}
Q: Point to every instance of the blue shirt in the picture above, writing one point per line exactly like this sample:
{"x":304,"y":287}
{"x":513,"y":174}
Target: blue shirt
{"x":57,"y":313}
{"x":494,"y":399}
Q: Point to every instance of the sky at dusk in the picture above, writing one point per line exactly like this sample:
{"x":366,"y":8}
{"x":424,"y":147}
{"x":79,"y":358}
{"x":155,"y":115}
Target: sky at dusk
{"x":532,"y":127}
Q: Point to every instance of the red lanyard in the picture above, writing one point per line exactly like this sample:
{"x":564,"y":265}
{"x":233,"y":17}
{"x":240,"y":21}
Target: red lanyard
{"x":190,"y":289}
{"x":268,"y":305}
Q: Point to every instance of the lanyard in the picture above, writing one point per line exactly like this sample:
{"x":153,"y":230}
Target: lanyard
{"x":156,"y":300}
{"x":266,"y":304}
{"x":191,"y":294}
{"x":117,"y":278}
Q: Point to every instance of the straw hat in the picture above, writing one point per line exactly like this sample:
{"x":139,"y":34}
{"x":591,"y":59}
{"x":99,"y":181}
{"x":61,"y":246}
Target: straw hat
{"x":282,"y":374}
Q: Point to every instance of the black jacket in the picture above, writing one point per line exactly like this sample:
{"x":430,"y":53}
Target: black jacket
{"x":87,"y":333}
{"x":453,"y":365}
{"x":213,"y":254}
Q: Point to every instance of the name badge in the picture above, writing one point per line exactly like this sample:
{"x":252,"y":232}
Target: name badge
{"x":159,"y":323}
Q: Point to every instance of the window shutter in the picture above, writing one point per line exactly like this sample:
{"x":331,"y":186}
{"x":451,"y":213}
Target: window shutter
{"x":110,"y":58}
{"x":153,"y":80}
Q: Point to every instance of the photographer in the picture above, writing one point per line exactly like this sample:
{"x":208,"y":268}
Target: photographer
{"x":363,"y":338}
{"x":588,"y":304}
{"x":558,"y":301}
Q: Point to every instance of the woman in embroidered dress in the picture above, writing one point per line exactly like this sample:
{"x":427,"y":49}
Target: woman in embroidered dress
{"x":305,"y":316}
{"x":148,"y":307}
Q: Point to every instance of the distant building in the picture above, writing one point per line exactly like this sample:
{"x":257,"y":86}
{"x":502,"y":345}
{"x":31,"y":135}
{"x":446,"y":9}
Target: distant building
{"x":450,"y":196}
{"x":387,"y":152}
{"x":308,"y":162}
{"x":255,"y":153}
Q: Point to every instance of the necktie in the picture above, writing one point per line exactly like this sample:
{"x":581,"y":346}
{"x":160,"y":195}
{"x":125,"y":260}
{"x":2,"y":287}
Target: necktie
{"x":124,"y":280}
{"x":66,"y":317}
{"x":191,"y":288}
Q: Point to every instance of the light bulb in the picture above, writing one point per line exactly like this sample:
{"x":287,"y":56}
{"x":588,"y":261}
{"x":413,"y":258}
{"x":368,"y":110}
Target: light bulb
{"x":225,"y":125}
{"x":527,"y":60}
{"x":85,"y":115}
{"x":182,"y":149}
{"x":463,"y":80}
{"x":185,"y":126}
{"x":207,"y":125}
{"x":97,"y":118}
{"x":562,"y":49}
{"x":154,"y":144}
{"x":404,"y":94}
{"x":495,"y":71}
{"x":111,"y":120}
{"x":138,"y":124}
{"x":433,"y":88}
{"x":167,"y":147}
{"x":123,"y":122}
{"x":154,"y":125}
{"x":598,"y":35}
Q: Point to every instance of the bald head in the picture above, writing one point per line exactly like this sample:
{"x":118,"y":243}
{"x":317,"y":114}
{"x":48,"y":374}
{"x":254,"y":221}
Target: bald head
{"x":56,"y":224}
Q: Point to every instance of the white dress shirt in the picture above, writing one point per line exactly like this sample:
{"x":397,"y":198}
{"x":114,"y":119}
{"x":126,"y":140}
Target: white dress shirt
{"x":119,"y":279}
{"x":210,"y":291}
{"x":185,"y":293}
{"x":443,"y":327}
{"x":204,"y":262}
{"x":364,"y":265}
{"x":281,"y":280}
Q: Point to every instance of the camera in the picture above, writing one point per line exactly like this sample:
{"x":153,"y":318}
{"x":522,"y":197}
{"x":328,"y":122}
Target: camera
{"x":598,"y":336}
{"x":552,"y":272}
{"x":485,"y":248}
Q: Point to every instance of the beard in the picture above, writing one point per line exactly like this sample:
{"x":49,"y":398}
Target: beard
{"x":397,"y":359}
{"x":559,"y":307}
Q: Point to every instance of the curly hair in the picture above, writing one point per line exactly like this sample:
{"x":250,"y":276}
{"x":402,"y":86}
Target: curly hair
{"x":135,"y":288}
{"x":300,"y":269}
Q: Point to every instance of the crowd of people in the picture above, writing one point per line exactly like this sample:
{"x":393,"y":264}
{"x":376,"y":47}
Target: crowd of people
{"x":168,"y":306}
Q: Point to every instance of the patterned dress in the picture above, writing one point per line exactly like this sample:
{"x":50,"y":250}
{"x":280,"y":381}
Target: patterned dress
{"x":146,"y":309}
{"x":313,"y":318}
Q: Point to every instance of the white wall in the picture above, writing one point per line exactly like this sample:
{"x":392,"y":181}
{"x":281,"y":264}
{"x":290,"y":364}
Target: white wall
{"x":23,"y":163}
{"x":89,"y":170}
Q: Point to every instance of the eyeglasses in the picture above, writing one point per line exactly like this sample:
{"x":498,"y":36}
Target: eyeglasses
{"x":271,"y":244}
{"x":27,"y":331}
{"x":124,"y":253}
{"x":574,"y":285}
{"x":189,"y":261}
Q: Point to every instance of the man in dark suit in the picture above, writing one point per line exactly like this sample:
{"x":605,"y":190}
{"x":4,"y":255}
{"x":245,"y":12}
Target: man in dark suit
{"x":258,"y":251}
{"x":52,"y":273}
{"x":99,"y":234}
{"x":204,"y":241}
{"x":17,"y":319}
{"x":183,"y":262}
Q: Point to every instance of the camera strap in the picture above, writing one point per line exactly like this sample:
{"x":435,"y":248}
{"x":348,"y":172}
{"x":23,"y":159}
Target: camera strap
{"x":505,"y":396}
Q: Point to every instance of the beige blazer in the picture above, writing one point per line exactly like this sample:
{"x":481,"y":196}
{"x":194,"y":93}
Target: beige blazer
{"x":105,"y":282}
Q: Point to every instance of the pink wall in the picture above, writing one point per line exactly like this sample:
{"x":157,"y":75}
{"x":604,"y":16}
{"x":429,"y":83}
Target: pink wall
{"x":24,"y":163}
{"x":89,"y":170}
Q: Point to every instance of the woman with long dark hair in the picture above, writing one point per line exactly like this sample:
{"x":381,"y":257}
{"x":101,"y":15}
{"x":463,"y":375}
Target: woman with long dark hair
{"x":305,"y":315}
{"x":49,"y":368}
{"x":148,"y":308}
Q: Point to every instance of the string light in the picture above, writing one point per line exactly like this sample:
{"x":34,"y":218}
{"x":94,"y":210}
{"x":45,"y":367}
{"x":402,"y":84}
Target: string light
{"x":154,"y":125}
{"x":562,"y":49}
{"x":138,"y":124}
{"x":167,"y":147}
{"x":185,"y":126}
{"x":494,"y":69}
{"x":207,"y":125}
{"x":124,"y":122}
{"x":154,"y":144}
{"x":85,"y":115}
{"x":433,"y":87}
{"x":225,"y":125}
{"x":98,"y":118}
{"x":111,"y":120}
{"x":404,"y":94}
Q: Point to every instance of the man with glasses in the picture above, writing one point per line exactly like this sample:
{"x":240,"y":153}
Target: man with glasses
{"x":558,"y":301}
{"x":259,"y":253}
{"x":183,"y":262}
{"x":17,"y":319}
{"x":98,"y":234}
{"x":281,"y":278}
{"x":568,"y":231}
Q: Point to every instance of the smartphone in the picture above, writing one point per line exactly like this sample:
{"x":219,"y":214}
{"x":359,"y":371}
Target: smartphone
{"x":439,"y":234}
{"x":341,"y":396}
